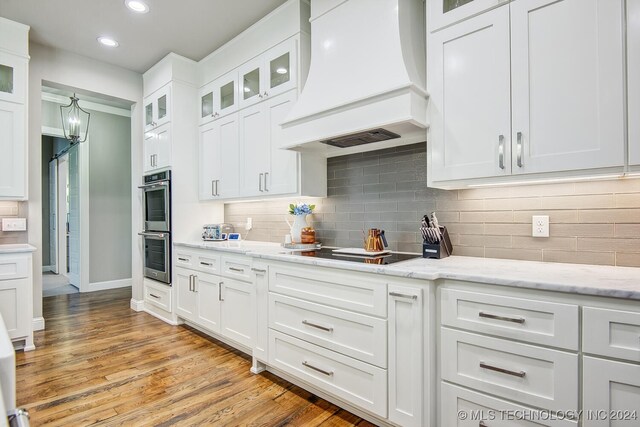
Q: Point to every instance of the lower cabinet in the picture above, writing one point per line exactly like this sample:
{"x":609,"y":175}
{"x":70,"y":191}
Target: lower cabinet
{"x":260,"y":279}
{"x":237,"y":315}
{"x":207,"y":288}
{"x":186,"y":296}
{"x":16,"y":301}
{"x":611,"y":393}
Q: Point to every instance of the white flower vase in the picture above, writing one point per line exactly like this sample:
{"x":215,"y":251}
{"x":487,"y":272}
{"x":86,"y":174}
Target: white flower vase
{"x":299,"y":222}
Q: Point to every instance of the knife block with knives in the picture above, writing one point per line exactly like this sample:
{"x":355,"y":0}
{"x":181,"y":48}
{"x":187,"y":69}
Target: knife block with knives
{"x":436,"y":241}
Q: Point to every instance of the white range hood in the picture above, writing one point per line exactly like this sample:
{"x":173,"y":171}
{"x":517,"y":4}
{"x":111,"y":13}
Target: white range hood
{"x":366,"y":78}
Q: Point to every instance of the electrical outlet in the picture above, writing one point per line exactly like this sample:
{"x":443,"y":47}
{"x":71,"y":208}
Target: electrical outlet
{"x":540,"y":226}
{"x":249,"y":224}
{"x":14,"y":224}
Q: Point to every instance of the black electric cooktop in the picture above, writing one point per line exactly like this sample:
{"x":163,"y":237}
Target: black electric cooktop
{"x":385,"y":259}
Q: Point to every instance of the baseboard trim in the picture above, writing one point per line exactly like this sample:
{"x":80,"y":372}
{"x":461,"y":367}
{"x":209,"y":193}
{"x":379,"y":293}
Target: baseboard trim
{"x":111,"y":284}
{"x":136,"y":305}
{"x":159,"y":316}
{"x":38,"y":323}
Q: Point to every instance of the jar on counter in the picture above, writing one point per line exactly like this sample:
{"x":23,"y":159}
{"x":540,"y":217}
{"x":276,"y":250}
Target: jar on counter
{"x":308,"y":235}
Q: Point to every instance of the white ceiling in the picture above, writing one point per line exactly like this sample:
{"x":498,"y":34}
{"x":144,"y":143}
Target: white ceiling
{"x":191,"y":28}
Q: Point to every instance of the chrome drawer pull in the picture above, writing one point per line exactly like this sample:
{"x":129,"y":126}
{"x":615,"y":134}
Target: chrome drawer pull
{"x":520,"y":374}
{"x":322,"y":371}
{"x":208,"y":264}
{"x":519,"y":320}
{"x":313,"y":325}
{"x":398,"y":295}
{"x":239,"y":270}
{"x":183,"y":259}
{"x":155,"y":296}
{"x":258,"y":270}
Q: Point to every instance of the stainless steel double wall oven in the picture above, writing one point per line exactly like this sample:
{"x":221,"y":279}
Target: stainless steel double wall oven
{"x":156,"y":237}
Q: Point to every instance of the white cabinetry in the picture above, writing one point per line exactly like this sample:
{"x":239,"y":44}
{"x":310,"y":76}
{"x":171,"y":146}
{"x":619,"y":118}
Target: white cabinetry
{"x":16,"y":295}
{"x":237,"y":313}
{"x":219,"y":98}
{"x":260,"y":278}
{"x":446,"y":12}
{"x":186,"y":296}
{"x":518,"y":91}
{"x":157,"y":148}
{"x":633,"y":82}
{"x":219,"y":159}
{"x":14,"y":71}
{"x":157,"y":108}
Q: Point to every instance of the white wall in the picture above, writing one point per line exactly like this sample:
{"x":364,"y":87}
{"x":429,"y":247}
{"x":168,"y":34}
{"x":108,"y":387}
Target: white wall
{"x":91,"y":77}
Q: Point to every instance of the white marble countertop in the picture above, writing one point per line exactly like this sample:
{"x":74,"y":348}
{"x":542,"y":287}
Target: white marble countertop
{"x":616,"y":282}
{"x":13,"y":248}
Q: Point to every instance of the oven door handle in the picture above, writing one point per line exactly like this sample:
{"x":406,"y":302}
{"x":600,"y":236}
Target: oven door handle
{"x":154,"y":185}
{"x":156,"y":236}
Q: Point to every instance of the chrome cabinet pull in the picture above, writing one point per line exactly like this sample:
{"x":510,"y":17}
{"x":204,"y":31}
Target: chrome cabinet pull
{"x":313,"y":325}
{"x":519,"y":320}
{"x":519,"y":149}
{"x":266,"y":174}
{"x":183,"y":259}
{"x":260,"y":182}
{"x":220,"y":291}
{"x":266,"y":93}
{"x":519,"y":374}
{"x":191,"y":283}
{"x":239,"y":270}
{"x":217,"y":181}
{"x":213,"y":190}
{"x":399,"y":295}
{"x":195,"y":283}
{"x":501,"y":151}
{"x":258,"y":270}
{"x":206,"y":264}
{"x":322,"y":371}
{"x":155,"y":296}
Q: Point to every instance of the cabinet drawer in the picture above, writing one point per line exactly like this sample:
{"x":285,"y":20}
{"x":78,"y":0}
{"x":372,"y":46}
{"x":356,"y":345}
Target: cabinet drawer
{"x":185,"y":258}
{"x":356,"y":335}
{"x":535,"y":321}
{"x":363,"y":293}
{"x":158,"y":295}
{"x":14,"y":267}
{"x":356,"y":382}
{"x":536,"y":376}
{"x":208,"y":262}
{"x":236,"y":267}
{"x":465,"y":408}
{"x":611,"y":333}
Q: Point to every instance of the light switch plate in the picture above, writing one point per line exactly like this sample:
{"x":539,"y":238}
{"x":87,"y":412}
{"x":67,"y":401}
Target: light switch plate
{"x":540,"y":226}
{"x":14,"y":224}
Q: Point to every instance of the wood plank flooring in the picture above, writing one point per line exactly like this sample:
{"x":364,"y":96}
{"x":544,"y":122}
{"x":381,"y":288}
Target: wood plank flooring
{"x":100,"y":363}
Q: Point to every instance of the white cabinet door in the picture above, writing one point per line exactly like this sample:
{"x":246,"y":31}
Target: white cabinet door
{"x":470,"y":98}
{"x":186,"y":297}
{"x":219,"y":159}
{"x":207,"y":288}
{"x":13,"y":302}
{"x":13,"y":78}
{"x":611,"y":393}
{"x":219,"y":98}
{"x":157,"y":108}
{"x":282,"y":174}
{"x":254,"y":149}
{"x":633,"y":75}
{"x":12,"y":151}
{"x":260,"y":275}
{"x":567,"y":78}
{"x":405,"y":356}
{"x":237,"y":316}
{"x":157,"y":148}
{"x":280,"y":69}
{"x":446,"y":12}
{"x":251,"y":82}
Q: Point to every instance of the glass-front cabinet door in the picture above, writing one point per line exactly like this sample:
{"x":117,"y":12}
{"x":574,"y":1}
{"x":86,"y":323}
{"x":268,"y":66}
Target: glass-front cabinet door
{"x":251,"y":87}
{"x":157,"y":108}
{"x":280,"y":65}
{"x":219,"y":98}
{"x":13,"y":70}
{"x":446,"y":12}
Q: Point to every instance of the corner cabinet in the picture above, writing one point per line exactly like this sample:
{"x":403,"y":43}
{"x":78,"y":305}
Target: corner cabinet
{"x":14,"y":72}
{"x":533,"y":87}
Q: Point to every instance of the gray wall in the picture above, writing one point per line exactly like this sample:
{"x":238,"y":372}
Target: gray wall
{"x":380,"y":189}
{"x":109,"y":193}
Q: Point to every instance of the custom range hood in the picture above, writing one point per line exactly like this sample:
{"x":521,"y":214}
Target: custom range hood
{"x":365,"y":88}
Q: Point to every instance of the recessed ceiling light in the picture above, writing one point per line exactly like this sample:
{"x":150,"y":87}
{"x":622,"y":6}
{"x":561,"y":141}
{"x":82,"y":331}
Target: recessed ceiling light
{"x":137,"y":6}
{"x":109,"y":42}
{"x":282,"y":70}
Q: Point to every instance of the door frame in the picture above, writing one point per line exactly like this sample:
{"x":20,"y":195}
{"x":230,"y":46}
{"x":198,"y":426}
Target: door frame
{"x":83,"y":153}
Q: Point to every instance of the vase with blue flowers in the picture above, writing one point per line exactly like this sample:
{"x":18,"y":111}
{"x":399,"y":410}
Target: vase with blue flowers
{"x":300,"y":211}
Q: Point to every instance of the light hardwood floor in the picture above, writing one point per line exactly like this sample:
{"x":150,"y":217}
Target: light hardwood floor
{"x":100,"y":363}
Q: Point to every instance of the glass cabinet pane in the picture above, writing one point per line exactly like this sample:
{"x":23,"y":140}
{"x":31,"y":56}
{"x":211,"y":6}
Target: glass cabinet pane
{"x":227,"y":96}
{"x":148,"y":114}
{"x":162,"y":106}
{"x":206,"y":108}
{"x":251,"y":84}
{"x":449,"y":5}
{"x":6,"y":79}
{"x":279,"y":71}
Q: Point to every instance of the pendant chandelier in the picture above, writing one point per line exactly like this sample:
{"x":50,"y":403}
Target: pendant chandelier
{"x":75,"y":121}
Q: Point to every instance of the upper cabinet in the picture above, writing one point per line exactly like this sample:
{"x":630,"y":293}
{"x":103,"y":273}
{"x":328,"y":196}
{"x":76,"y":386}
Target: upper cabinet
{"x":269,"y":74}
{"x":14,"y":71}
{"x":442,"y":13}
{"x":517,"y":91}
{"x":633,"y":75}
{"x":219,"y":98}
{"x":157,"y":108}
